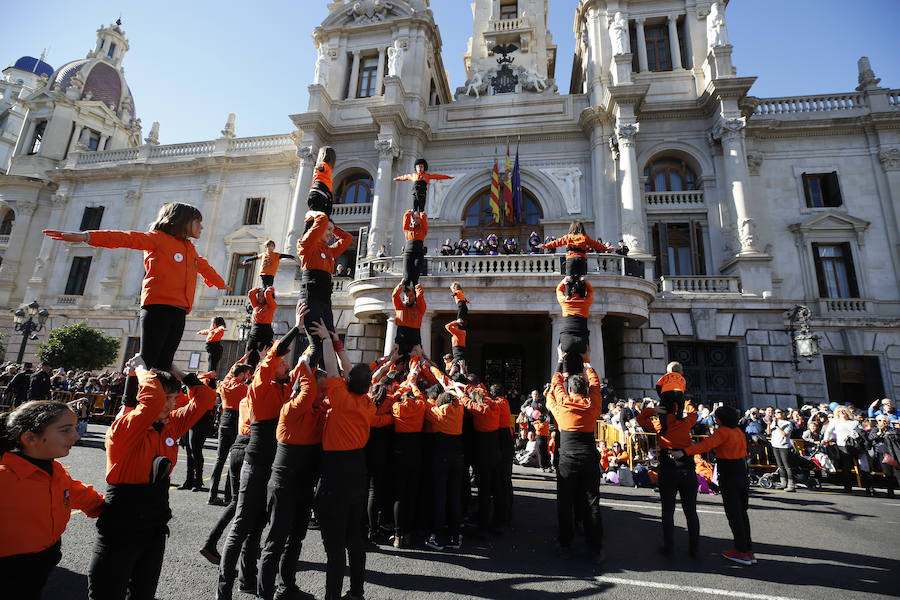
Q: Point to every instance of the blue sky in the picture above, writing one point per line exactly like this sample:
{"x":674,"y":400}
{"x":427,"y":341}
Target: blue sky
{"x":191,"y":63}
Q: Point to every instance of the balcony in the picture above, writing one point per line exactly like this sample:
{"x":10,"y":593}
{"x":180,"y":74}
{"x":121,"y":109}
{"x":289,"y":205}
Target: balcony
{"x":232,"y":302}
{"x":69,"y":300}
{"x":351,"y":213}
{"x":686,"y":286}
{"x":815,"y":107}
{"x":4,"y":240}
{"x":518,"y":30}
{"x":685,"y":201}
{"x":844,"y":307}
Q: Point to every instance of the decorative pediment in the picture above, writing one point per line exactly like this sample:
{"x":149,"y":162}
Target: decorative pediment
{"x":248,"y":235}
{"x":367,"y":12}
{"x":830,"y":221}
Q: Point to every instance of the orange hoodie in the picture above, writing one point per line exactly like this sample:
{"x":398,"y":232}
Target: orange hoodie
{"x":671,"y":382}
{"x":447,"y":419}
{"x":300,"y":423}
{"x":728,"y":442}
{"x":232,"y":392}
{"x":458,"y":333}
{"x":415,"y":233}
{"x":263,"y":313}
{"x":172,"y":265}
{"x":322,"y":173}
{"x":349,"y":419}
{"x":409,"y":316}
{"x":576,"y":305}
{"x":264,"y":396}
{"x":579,"y":244}
{"x":574,"y":412}
{"x":213,"y":335}
{"x":678,"y":432}
{"x":316,"y":255}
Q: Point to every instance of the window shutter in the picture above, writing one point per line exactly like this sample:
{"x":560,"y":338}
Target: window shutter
{"x":806,"y":191}
{"x":834,"y":190}
{"x":820,"y":272}
{"x":851,"y":272}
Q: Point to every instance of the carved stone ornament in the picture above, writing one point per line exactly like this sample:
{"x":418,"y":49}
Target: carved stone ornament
{"x":728,"y":130}
{"x":321,"y":76}
{"x":754,"y":162}
{"x":618,"y":34}
{"x":533,"y":82}
{"x":369,"y":11}
{"x":716,"y":29}
{"x":210,"y":190}
{"x":305,"y":153}
{"x":890,"y":159}
{"x":133,"y":196}
{"x":153,"y":137}
{"x":60,"y":199}
{"x":387,"y":148}
{"x":568,"y":180}
{"x":438,"y":193}
{"x":228,"y":131}
{"x":747,"y":234}
{"x":626,"y":133}
{"x":866,"y":79}
{"x":396,"y":54}
{"x":614,"y":147}
{"x":26,"y":207}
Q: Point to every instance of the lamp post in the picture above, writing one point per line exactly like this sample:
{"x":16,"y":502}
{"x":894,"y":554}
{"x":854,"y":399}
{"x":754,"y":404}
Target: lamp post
{"x":28,"y":326}
{"x":243,"y":329}
{"x":803,"y":343}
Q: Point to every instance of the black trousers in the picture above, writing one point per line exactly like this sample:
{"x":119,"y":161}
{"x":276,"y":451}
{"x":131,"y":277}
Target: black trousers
{"x":341,"y":507}
{"x":419,"y":201}
{"x":320,"y":198}
{"x":447,"y":474}
{"x":578,"y":492}
{"x":126,"y":564}
{"x":267,"y":280}
{"x":677,"y":477}
{"x":248,"y":523}
{"x":315,"y":291}
{"x":575,"y":267}
{"x":378,"y":504}
{"x":289,"y":506}
{"x":488,"y":478}
{"x":24,"y":575}
{"x":462,"y":309}
{"x":196,"y":438}
{"x":413,"y":260}
{"x":161,"y":330}
{"x":847,"y":457}
{"x":406,"y":469}
{"x":228,"y":428}
{"x":214,"y":352}
{"x":503,"y":513}
{"x":734,"y":486}
{"x":261,"y":336}
{"x":543,"y":444}
{"x":782,"y":459}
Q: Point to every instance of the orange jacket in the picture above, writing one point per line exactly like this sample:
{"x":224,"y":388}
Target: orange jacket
{"x":447,"y":419}
{"x":270,"y":262}
{"x":409,"y":414}
{"x":504,"y":418}
{"x":232,"y":392}
{"x":213,"y":335}
{"x":580,"y":243}
{"x":415,"y":233}
{"x":172,"y":265}
{"x":35,"y":507}
{"x":300,"y":423}
{"x":458,"y":333}
{"x":541,"y":429}
{"x":244,"y":417}
{"x":131,"y":441}
{"x":671,"y":382}
{"x":728,"y":442}
{"x":576,"y":305}
{"x":458,"y":296}
{"x":409,"y":316}
{"x":322,"y":173}
{"x":264,"y":396}
{"x":347,"y":422}
{"x":263,"y":313}
{"x":678,"y":433}
{"x":316,"y":255}
{"x":484,"y":416}
{"x":428,"y":177}
{"x":605,"y":457}
{"x":574,"y":412}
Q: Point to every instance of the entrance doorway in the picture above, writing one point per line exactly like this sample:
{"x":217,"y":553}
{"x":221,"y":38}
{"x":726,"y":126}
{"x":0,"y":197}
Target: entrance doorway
{"x":510,"y":350}
{"x":710,"y":370}
{"x":853,"y":379}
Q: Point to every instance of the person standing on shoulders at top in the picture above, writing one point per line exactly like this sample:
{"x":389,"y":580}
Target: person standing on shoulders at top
{"x":214,"y":350}
{"x":320,"y":198}
{"x":261,"y":333}
{"x":172,"y":265}
{"x":271,"y":260}
{"x":415,"y":228}
{"x":577,"y":244}
{"x":421,"y":178}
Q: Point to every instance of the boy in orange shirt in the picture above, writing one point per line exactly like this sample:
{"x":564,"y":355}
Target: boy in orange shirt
{"x":421,"y":178}
{"x":320,"y":197}
{"x":459,"y":298}
{"x":262,"y":300}
{"x":271,"y":260}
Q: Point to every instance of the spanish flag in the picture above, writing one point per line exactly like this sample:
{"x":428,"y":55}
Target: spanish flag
{"x":495,"y":190}
{"x":507,"y":186}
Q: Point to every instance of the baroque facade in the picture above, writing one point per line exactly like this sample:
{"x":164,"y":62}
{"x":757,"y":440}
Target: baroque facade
{"x":735,"y":208}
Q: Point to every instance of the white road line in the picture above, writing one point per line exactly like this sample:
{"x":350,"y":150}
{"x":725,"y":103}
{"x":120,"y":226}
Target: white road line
{"x":632,"y":505}
{"x":688,"y":588}
{"x":891,"y":503}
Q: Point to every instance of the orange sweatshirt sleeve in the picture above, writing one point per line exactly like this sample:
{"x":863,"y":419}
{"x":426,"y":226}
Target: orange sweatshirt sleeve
{"x":203,"y":398}
{"x":561,"y":294}
{"x":210,"y":277}
{"x":646,"y":421}
{"x":251,"y":295}
{"x":557,"y":242}
{"x":84,"y":497}
{"x":395,"y":297}
{"x":343,"y":242}
{"x":406,"y":177}
{"x":319,"y":226}
{"x":136,"y":240}
{"x":433,"y":176}
{"x":151,"y":398}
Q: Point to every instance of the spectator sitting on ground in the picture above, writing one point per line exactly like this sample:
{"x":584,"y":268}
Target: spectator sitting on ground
{"x":529,"y":456}
{"x":619,"y":457}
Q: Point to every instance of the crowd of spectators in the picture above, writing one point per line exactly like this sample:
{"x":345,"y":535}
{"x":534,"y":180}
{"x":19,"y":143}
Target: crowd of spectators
{"x":493,"y":245}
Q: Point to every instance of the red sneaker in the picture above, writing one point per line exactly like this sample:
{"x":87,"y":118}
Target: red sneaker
{"x":751,"y":556}
{"x":738,"y":557}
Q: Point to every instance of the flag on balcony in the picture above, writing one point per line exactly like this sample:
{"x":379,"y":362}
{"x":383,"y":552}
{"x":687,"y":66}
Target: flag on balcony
{"x":495,"y":190}
{"x":518,"y":202}
{"x":507,"y":186}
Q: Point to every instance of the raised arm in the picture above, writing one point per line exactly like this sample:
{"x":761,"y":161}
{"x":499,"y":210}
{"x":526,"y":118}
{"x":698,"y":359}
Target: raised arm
{"x":210,"y":277}
{"x":136,"y":240}
{"x":343,"y":242}
{"x":406,"y":177}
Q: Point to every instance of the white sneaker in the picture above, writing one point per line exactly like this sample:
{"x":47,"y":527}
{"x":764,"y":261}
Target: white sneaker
{"x":433,"y":543}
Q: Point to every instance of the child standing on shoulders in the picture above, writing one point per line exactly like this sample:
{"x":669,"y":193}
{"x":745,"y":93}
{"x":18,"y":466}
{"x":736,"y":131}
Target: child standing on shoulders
{"x":271,"y":260}
{"x":261,"y":333}
{"x":172,"y":265}
{"x":577,"y":243}
{"x":459,"y":298}
{"x":320,"y":198}
{"x":214,"y":348}
{"x":37,"y":495}
{"x":421,"y":178}
{"x":415,"y":228}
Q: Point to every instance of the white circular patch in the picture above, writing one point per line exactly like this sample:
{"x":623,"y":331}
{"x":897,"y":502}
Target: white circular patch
{"x":179,"y":257}
{"x":170,"y":442}
{"x":323,"y":255}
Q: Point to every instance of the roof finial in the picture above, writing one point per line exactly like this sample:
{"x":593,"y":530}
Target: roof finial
{"x":119,"y":20}
{"x":43,"y":54}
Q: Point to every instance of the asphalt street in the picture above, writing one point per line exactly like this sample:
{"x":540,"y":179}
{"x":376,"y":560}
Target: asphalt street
{"x":810,"y":545}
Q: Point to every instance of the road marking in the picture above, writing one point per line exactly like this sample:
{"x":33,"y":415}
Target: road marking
{"x":688,"y":588}
{"x":891,"y":503}
{"x":631,"y":504}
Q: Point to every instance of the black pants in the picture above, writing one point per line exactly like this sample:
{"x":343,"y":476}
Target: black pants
{"x":406,"y":339}
{"x":782,"y":459}
{"x":196,"y":438}
{"x":503,"y":513}
{"x":488,"y":478}
{"x":462,"y":309}
{"x":378,"y":485}
{"x":315,"y":291}
{"x":267,"y":280}
{"x":734,"y":486}
{"x":289,"y":506}
{"x":214,"y":352}
{"x":447,"y":473}
{"x":406,"y":469}
{"x":261,"y":336}
{"x":341,"y":508}
{"x":419,"y":201}
{"x":847,"y":458}
{"x":578,"y":492}
{"x":127,"y":564}
{"x":413,"y":260}
{"x":576,"y":267}
{"x":320,"y":198}
{"x":677,"y":477}
{"x":161,"y":330}
{"x":24,"y":575}
{"x":228,"y":428}
{"x":543,"y":444}
{"x":248,"y":523}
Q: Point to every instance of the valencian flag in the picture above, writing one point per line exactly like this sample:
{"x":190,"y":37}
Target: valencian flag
{"x":507,"y":186}
{"x":495,"y":190}
{"x":518,"y":201}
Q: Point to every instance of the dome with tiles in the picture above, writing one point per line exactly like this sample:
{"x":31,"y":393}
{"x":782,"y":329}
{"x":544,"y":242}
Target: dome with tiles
{"x":33,"y":65}
{"x":102,"y":82}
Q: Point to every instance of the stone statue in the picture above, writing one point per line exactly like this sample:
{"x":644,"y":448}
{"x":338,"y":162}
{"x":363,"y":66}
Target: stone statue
{"x":153,"y":137}
{"x":618,"y":34}
{"x":568,"y":180}
{"x":747,"y":234}
{"x":476,"y":85}
{"x":228,"y":132}
{"x":533,"y":80}
{"x":867,"y":79}
{"x":321,"y":76}
{"x":716,"y":31}
{"x":396,"y":54}
{"x":369,"y":11}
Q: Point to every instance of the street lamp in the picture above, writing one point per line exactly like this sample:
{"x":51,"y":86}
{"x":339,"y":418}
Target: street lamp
{"x":803,"y":343}
{"x":28,"y":326}
{"x":243,"y":329}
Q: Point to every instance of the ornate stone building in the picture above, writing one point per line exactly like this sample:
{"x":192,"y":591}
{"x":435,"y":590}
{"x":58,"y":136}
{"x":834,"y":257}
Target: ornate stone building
{"x":736,"y":208}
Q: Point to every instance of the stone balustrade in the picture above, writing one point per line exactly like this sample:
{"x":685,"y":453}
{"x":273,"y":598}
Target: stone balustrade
{"x":843,"y":306}
{"x":699,"y":285}
{"x":351,"y":211}
{"x":182,"y":150}
{"x":512,"y":265}
{"x":261,"y":144}
{"x":811,"y":104}
{"x":673,"y":200}
{"x":509,"y":24}
{"x":68,"y":300}
{"x":4,"y":241}
{"x":894,"y":98}
{"x":120,"y":155}
{"x":233,"y":301}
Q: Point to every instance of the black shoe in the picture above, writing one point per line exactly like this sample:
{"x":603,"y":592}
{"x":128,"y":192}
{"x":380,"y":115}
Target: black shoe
{"x":216,"y":502}
{"x":211,"y":554}
{"x":247,"y":588}
{"x":186,"y":485}
{"x":198,"y":488}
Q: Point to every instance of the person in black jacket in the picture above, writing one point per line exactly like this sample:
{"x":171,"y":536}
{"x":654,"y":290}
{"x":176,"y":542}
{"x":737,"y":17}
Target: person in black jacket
{"x":18,"y":387}
{"x":39,"y":385}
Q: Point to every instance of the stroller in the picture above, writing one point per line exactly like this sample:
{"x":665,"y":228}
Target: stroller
{"x":806,"y":472}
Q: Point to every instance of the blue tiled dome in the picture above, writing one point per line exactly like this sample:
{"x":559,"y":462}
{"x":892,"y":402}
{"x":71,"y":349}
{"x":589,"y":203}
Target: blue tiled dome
{"x":33,"y":65}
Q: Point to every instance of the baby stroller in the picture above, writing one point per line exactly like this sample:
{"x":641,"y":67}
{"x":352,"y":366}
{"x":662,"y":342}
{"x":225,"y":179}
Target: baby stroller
{"x":805,"y":472}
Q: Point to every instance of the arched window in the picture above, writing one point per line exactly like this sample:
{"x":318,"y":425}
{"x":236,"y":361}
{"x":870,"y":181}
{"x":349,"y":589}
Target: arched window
{"x":667,"y":174}
{"x":479,"y":220}
{"x":356,"y":188}
{"x":6,"y":224}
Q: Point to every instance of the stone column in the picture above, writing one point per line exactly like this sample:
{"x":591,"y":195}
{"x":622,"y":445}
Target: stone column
{"x":555,"y":328}
{"x":102,"y":145}
{"x":298,"y":202}
{"x":354,"y":76}
{"x":380,"y":225}
{"x":641,"y":45}
{"x":390,"y":332}
{"x":674,"y":48}
{"x":9,"y":272}
{"x":75,"y":138}
{"x":598,"y":359}
{"x":633,"y":222}
{"x":425,"y":331}
{"x":731,"y":133}
{"x":379,"y":76}
{"x":38,"y":283}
